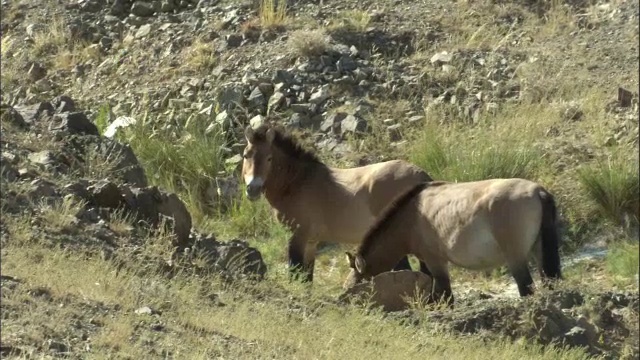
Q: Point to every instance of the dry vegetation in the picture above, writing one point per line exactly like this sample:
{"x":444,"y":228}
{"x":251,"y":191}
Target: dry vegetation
{"x":557,"y":131}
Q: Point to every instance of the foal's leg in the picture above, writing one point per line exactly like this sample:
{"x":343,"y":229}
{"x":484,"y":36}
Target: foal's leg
{"x":424,"y":268}
{"x":403,"y":264}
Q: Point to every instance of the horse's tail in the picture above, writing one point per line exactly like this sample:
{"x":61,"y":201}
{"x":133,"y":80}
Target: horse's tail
{"x":550,"y":237}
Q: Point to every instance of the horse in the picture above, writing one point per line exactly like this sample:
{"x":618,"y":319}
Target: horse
{"x":478,"y":225}
{"x":316,"y":202}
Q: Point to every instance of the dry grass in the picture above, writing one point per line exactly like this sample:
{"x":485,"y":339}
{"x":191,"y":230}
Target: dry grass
{"x":308,"y":43}
{"x":247,"y":326}
{"x":61,"y":214}
{"x":200,"y":56}
{"x":273,"y":13}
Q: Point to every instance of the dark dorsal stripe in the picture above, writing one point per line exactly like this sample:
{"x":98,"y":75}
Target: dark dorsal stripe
{"x":285,"y":143}
{"x":388,"y":214}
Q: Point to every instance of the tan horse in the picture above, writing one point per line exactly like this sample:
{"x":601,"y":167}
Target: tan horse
{"x":476,"y":225}
{"x":319,"y":203}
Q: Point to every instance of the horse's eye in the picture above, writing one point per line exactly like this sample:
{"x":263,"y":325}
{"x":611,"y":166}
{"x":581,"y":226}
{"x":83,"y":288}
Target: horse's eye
{"x":269,"y":159}
{"x":245,"y":156}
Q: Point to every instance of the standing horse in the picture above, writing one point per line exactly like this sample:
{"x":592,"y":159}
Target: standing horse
{"x":317,"y":202}
{"x":476,"y":225}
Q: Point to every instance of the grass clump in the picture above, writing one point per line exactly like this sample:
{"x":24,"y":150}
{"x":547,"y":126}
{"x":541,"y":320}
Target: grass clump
{"x":623,"y":259}
{"x":273,"y":13}
{"x":200,"y":56}
{"x":182,"y":159}
{"x":354,"y":20}
{"x":308,"y":43}
{"x":461,"y":156}
{"x":614,"y":188}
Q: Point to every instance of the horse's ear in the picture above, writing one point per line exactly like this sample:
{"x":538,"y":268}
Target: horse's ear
{"x":360,"y":264}
{"x":351,"y":260}
{"x":271,"y":134}
{"x":248,"y":133}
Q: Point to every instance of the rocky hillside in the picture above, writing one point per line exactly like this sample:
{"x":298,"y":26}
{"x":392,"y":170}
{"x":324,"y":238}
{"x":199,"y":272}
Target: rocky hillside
{"x":124,"y":229}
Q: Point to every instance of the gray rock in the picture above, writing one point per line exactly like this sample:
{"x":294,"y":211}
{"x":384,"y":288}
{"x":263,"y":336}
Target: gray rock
{"x":170,"y":205}
{"x":106,"y":194}
{"x":238,"y":258}
{"x":41,"y":189}
{"x":577,"y":336}
{"x":624,"y":97}
{"x":143,"y":31}
{"x":43,"y":158}
{"x":346,"y":64}
{"x":143,"y":9}
{"x":125,"y":165}
{"x":256,"y":99}
{"x":145,"y":310}
{"x":167,"y":6}
{"x":229,"y":96}
{"x":32,"y":113}
{"x":256,"y":121}
{"x":275,"y":101}
{"x":233,"y":40}
{"x":8,"y":172}
{"x":11,"y":116}
{"x":73,"y":123}
{"x":63,"y":104}
{"x":320,"y":96}
{"x":394,"y":132}
{"x":353,"y":124}
{"x":79,"y":190}
{"x":37,"y":71}
{"x":391,"y":289}
{"x":332,"y":122}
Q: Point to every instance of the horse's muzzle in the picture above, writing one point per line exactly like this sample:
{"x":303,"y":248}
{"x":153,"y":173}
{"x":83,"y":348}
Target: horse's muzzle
{"x":254,"y":192}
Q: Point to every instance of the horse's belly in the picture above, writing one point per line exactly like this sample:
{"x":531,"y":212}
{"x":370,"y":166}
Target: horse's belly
{"x":476,"y":250}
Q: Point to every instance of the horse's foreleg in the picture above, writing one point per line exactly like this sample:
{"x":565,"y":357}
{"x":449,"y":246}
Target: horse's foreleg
{"x":302,"y":255}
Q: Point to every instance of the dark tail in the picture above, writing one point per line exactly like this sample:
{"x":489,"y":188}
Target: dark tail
{"x":550,"y":237}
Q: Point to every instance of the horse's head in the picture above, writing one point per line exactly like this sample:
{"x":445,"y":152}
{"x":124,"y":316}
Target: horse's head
{"x":358,"y":271}
{"x":257,"y":161}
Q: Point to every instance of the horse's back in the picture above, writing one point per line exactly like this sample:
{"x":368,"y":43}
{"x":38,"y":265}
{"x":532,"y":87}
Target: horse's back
{"x":383,"y":182}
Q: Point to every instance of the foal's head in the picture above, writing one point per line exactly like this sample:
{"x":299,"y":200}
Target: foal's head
{"x":358,"y":271}
{"x":256,"y":165}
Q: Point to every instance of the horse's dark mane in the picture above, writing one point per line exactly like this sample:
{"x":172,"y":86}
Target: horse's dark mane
{"x":388,"y":214}
{"x":286,"y":143}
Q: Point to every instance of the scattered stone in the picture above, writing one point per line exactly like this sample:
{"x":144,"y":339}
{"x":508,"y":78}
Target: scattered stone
{"x":257,"y":121}
{"x":145,"y":310}
{"x":41,"y":189}
{"x":142,"y":8}
{"x":43,"y":158}
{"x":624,"y":97}
{"x":143,"y":31}
{"x":577,"y":336}
{"x":256,"y":99}
{"x":441,"y":58}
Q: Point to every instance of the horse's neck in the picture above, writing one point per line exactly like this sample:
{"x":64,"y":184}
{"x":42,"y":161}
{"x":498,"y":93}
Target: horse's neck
{"x":290,"y":175}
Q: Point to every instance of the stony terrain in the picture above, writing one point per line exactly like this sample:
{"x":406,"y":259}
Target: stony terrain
{"x":124,"y":230}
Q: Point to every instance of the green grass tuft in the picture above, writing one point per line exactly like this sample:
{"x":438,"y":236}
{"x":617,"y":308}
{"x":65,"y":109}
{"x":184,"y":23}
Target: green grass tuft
{"x":614,"y":188}
{"x":623,"y":259}
{"x":470,"y":157}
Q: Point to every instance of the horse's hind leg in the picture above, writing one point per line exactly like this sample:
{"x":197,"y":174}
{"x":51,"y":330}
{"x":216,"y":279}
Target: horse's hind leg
{"x":520,"y":272}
